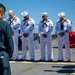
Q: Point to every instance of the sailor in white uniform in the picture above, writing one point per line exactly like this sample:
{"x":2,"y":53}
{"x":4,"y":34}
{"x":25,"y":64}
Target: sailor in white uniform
{"x":45,"y":29}
{"x":15,"y":23}
{"x":27,"y":27}
{"x":63,"y":26}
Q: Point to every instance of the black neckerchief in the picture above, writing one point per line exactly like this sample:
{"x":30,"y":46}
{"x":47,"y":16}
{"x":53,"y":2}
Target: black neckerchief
{"x":25,"y":22}
{"x":44,"y":23}
{"x":62,"y":24}
{"x":12,"y":20}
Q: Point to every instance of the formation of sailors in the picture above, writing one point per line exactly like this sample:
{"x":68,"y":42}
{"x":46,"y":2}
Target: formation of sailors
{"x":45,"y":28}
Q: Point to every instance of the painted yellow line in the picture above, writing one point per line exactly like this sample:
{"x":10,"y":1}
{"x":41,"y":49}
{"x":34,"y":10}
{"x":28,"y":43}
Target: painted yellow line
{"x":61,"y":63}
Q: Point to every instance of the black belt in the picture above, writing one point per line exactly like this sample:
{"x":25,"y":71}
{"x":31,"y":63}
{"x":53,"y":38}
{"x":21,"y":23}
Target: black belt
{"x":1,"y":50}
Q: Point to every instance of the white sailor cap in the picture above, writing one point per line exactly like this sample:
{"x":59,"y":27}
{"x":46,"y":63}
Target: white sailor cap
{"x":61,"y":14}
{"x":44,"y":14}
{"x":25,"y":13}
{"x":10,"y":12}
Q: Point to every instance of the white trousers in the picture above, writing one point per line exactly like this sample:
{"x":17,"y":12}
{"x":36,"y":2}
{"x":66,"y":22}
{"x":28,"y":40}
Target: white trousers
{"x":30,"y":41}
{"x":43,"y":42}
{"x":15,"y":52}
{"x":63,"y":40}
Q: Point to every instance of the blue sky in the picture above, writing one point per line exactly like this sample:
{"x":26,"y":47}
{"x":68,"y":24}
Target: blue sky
{"x":36,"y":7}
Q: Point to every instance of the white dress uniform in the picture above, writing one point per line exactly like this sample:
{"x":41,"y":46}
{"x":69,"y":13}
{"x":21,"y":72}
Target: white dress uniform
{"x":27,"y":27}
{"x":46,"y":27}
{"x":15,"y":23}
{"x":65,"y":39}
